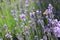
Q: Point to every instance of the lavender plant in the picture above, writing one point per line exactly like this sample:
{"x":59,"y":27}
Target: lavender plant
{"x":25,"y":20}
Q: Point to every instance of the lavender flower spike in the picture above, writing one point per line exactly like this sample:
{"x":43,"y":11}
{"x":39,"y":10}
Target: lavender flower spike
{"x":5,"y":26}
{"x":50,"y":6}
{"x":36,"y":37}
{"x":22,"y":17}
{"x":8,"y":35}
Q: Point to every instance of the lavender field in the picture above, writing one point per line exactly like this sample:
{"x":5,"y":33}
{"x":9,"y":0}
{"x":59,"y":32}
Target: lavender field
{"x":29,"y":20}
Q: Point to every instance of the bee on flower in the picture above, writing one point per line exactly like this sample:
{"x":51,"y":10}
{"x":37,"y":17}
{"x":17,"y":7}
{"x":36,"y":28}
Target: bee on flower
{"x":49,"y":12}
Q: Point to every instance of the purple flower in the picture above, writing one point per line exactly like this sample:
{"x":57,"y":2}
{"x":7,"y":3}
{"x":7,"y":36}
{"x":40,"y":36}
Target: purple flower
{"x":3,"y":17}
{"x":32,"y":14}
{"x":27,"y":3}
{"x":13,"y":14}
{"x":50,"y":6}
{"x":44,"y":37}
{"x":5,"y":26}
{"x":27,"y":32}
{"x":58,"y":24}
{"x":37,"y":12}
{"x":49,"y":20}
{"x":39,"y":21}
{"x":55,"y":21}
{"x":37,"y":2}
{"x":48,"y":11}
{"x":56,"y":31}
{"x":48,"y":25}
{"x":33,"y":27}
{"x":16,"y":19}
{"x":12,"y":11}
{"x":26,"y":12}
{"x":18,"y":36}
{"x":8,"y":35}
{"x":36,"y":37}
{"x":22,"y":17}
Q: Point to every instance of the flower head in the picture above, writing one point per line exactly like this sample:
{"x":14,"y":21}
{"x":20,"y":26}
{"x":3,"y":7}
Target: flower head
{"x":37,"y":11}
{"x":50,"y":6}
{"x":36,"y":37}
{"x":32,"y":14}
{"x":8,"y":35}
{"x":5,"y":26}
{"x":22,"y":17}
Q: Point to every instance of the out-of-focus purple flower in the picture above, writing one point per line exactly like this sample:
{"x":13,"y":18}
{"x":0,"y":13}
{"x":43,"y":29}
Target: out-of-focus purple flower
{"x":3,"y":17}
{"x":44,"y":37}
{"x":13,"y":14}
{"x":8,"y":35}
{"x":19,"y":36}
{"x":5,"y":26}
{"x":56,"y":31}
{"x":49,"y":11}
{"x":27,"y":32}
{"x":16,"y":19}
{"x":22,"y":17}
{"x":37,"y":2}
{"x":12,"y":11}
{"x":26,"y":12}
{"x":39,"y":21}
{"x":48,"y":25}
{"x":31,"y":14}
{"x":58,"y":24}
{"x":37,"y":12}
{"x":55,"y":21}
{"x":49,"y":20}
{"x":33,"y":27}
{"x":50,"y":6}
{"x":26,"y":3}
{"x":36,"y":37}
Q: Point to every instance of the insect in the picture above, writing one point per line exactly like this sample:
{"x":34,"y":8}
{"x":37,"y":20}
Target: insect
{"x":45,"y":12}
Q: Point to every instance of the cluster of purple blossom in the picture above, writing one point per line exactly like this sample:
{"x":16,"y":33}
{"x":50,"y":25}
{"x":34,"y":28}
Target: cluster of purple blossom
{"x":56,"y":27}
{"x":54,"y":24}
{"x":26,"y":24}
